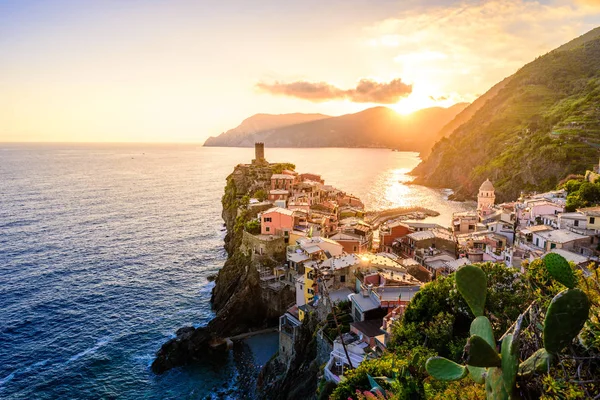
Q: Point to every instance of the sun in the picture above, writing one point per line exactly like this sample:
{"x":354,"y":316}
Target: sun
{"x":412,"y":103}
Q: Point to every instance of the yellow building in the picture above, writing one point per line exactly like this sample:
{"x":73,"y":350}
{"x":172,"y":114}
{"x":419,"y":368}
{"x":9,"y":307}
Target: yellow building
{"x":593,"y":217}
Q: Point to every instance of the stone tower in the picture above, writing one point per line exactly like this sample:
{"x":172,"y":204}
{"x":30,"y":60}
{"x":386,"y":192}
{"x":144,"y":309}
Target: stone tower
{"x":486,"y":197}
{"x":259,"y":153}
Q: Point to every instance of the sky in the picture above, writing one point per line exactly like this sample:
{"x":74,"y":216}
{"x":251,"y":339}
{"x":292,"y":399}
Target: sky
{"x":181,"y":70}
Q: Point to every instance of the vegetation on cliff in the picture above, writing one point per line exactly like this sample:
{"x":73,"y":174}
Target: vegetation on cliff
{"x":581,"y":193}
{"x":436,"y":323}
{"x":543,"y":124}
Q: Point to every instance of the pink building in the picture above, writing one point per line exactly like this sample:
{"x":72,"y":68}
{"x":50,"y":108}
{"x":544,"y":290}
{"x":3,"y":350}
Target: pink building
{"x":276,"y":221}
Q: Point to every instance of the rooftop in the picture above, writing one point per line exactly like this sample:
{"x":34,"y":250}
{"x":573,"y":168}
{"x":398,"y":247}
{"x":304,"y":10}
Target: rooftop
{"x":339,"y":262}
{"x":340,"y":295}
{"x":393,"y":293}
{"x":369,"y":328}
{"x":536,"y":229}
{"x":590,"y":211}
{"x":487,"y":186}
{"x":282,"y":176}
{"x":570,"y":256}
{"x":561,"y":236}
{"x":364,"y":303}
{"x":279,"y":210}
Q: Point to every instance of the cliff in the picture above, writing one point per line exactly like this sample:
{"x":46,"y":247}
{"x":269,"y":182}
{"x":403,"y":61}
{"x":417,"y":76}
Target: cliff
{"x":534,"y":128}
{"x":373,"y":127}
{"x":241,"y":304}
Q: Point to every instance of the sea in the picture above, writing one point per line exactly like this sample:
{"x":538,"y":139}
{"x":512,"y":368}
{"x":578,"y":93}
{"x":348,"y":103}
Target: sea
{"x":106,"y":250}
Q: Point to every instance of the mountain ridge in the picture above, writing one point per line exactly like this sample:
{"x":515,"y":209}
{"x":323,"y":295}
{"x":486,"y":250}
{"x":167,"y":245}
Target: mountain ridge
{"x":373,"y":127}
{"x":542,"y":125}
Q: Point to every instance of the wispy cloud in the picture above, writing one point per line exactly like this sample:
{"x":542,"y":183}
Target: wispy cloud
{"x":466,"y":47}
{"x":366,"y":91}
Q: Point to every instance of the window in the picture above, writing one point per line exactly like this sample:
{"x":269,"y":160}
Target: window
{"x":552,"y":245}
{"x":267,"y":229}
{"x":343,"y":278}
{"x":592,"y":220}
{"x":267,"y":219}
{"x":354,"y":248}
{"x":576,"y":223}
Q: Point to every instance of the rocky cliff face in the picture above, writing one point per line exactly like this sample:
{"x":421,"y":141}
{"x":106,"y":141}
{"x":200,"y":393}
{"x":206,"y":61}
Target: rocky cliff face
{"x":298,"y":380}
{"x":238,"y":298}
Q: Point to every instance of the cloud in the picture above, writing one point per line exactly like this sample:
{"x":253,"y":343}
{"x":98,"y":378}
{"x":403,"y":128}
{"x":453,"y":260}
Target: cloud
{"x":468,"y":46}
{"x":366,"y":91}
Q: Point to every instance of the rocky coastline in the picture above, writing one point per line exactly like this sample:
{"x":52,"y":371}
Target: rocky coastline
{"x":237,"y":298}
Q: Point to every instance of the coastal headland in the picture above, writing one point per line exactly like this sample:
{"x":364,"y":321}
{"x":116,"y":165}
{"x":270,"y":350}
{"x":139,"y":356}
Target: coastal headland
{"x":244,"y":298}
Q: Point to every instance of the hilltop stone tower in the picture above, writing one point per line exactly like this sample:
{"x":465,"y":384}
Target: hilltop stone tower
{"x":486,"y":198}
{"x":259,"y":153}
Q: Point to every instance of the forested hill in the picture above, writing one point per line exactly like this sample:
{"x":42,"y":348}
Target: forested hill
{"x":542,"y":125}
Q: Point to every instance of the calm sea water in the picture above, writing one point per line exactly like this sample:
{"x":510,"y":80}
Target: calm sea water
{"x":105,"y":251}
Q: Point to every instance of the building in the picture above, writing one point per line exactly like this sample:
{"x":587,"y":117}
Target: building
{"x":560,"y":239}
{"x":282,"y":181}
{"x":289,"y":327}
{"x":352,"y":242}
{"x":486,"y":199}
{"x":390,"y":232}
{"x":338,"y":361}
{"x":428,"y":240}
{"x":281,"y":221}
{"x":572,"y":221}
{"x":259,"y":154}
{"x":592,"y":215}
{"x":464,"y":222}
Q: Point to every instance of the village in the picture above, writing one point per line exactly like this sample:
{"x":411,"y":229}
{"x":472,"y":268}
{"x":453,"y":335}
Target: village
{"x":316,"y":240}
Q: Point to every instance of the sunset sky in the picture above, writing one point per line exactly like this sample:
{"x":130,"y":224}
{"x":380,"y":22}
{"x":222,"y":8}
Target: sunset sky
{"x":180,"y":71}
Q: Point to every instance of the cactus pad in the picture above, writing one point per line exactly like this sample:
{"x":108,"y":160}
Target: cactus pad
{"x":510,"y":361}
{"x":443,"y":369}
{"x":565,"y":317}
{"x":481,"y":326}
{"x":560,"y":269}
{"x":494,"y":385}
{"x":538,"y":362}
{"x":471,"y":282}
{"x":480,"y":353}
{"x":477,"y":374}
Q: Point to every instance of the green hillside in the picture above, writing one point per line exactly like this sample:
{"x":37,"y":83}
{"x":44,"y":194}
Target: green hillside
{"x":541,"y":126}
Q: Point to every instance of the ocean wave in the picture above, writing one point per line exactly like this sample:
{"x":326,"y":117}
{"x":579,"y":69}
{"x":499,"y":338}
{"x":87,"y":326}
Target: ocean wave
{"x":100,"y":343}
{"x":6,"y":379}
{"x":26,"y":370}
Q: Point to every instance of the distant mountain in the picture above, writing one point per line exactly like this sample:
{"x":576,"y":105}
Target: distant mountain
{"x":533,"y":129}
{"x":240,"y":135}
{"x":374,"y":127}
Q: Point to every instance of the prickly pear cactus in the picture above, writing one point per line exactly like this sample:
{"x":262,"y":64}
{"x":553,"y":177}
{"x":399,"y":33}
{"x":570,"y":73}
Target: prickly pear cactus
{"x":538,"y":362}
{"x":565,"y":317}
{"x":444,"y":369}
{"x":471,"y":282}
{"x":560,"y":269}
{"x":510,"y":361}
{"x":481,"y":326}
{"x":481,"y":354}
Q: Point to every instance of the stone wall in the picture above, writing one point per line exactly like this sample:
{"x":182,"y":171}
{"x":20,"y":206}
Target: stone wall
{"x":270,"y":246}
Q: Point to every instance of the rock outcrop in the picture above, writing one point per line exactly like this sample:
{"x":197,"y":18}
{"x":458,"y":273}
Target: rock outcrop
{"x":239,"y":300}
